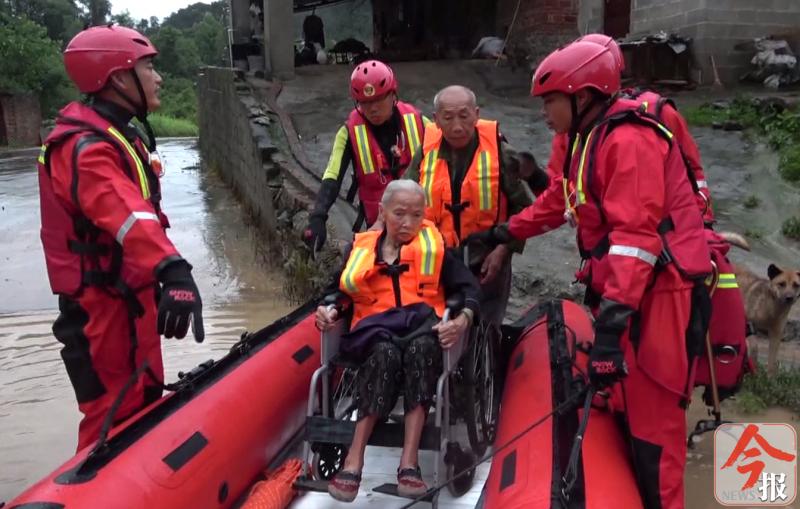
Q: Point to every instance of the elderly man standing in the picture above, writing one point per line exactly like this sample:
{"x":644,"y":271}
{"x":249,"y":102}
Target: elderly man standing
{"x":471,"y":177}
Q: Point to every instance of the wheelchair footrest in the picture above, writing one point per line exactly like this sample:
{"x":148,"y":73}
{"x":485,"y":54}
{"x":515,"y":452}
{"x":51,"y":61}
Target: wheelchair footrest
{"x":328,"y":430}
{"x":391,"y":489}
{"x":390,"y":434}
{"x":309,"y":484}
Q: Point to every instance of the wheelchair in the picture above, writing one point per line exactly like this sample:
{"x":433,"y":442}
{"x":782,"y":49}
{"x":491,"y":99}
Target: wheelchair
{"x":465,"y":412}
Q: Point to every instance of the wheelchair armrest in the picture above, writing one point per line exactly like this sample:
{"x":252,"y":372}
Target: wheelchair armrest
{"x":331,"y":341}
{"x":452,"y":355}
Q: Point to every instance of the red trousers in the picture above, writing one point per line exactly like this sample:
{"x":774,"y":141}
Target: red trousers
{"x":101,"y":353}
{"x":651,"y":396}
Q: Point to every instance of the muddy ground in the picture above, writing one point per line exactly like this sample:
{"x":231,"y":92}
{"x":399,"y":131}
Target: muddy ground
{"x":736,"y":165}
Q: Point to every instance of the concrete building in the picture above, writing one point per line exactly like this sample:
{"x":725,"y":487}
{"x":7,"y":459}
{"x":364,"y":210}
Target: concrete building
{"x":715,"y":26}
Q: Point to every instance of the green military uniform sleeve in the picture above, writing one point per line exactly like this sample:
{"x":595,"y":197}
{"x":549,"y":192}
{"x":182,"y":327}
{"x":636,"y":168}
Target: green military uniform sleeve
{"x":511,"y":186}
{"x":412,"y":172}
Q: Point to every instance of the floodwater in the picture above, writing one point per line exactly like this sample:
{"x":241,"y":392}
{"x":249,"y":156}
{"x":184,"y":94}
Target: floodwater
{"x":38,"y":413}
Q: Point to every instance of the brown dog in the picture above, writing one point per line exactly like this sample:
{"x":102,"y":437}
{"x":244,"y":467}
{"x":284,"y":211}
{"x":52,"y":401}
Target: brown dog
{"x":767,"y":301}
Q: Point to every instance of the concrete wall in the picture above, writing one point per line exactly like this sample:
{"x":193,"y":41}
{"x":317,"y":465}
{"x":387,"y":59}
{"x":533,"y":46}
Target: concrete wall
{"x":21,"y":118}
{"x":243,"y":139}
{"x":541,"y":25}
{"x":590,"y":16}
{"x":233,"y":143}
{"x":342,"y":21}
{"x":716,"y":26}
{"x":279,"y":39}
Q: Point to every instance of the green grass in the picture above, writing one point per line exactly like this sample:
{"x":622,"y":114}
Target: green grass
{"x":754,"y":234}
{"x":165,"y":126}
{"x":791,"y":228}
{"x":761,"y":391}
{"x":752,"y":202}
{"x":780,"y":129}
{"x":789,"y":163}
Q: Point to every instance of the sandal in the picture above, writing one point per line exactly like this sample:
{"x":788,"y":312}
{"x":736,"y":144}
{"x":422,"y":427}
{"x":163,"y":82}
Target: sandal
{"x":410,"y":483}
{"x":344,"y":486}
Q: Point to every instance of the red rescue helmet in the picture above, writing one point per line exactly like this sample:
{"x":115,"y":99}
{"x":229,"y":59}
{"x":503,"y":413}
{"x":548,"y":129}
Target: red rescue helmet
{"x":607,"y":42}
{"x":371,"y":80}
{"x":577,"y":66}
{"x":95,"y":53}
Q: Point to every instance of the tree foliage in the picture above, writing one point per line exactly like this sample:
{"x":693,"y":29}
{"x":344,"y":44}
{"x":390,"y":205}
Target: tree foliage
{"x":33,"y":33}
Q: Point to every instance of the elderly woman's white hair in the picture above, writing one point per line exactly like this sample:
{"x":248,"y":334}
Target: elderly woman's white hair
{"x":394,"y":186}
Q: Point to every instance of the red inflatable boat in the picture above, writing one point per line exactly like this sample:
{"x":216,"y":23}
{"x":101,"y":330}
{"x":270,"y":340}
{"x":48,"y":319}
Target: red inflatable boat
{"x":542,"y":371}
{"x":203,"y":445}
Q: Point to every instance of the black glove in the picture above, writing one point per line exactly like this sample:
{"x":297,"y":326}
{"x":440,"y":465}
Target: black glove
{"x":180,"y":302}
{"x":491,"y":237}
{"x":315,"y":234}
{"x":606,"y":360}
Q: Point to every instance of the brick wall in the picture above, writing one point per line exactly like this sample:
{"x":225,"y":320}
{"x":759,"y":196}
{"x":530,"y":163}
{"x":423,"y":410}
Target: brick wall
{"x":21,"y":118}
{"x":541,"y":25}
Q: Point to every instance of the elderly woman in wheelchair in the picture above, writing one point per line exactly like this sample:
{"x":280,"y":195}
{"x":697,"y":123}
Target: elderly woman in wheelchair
{"x":399,"y":281}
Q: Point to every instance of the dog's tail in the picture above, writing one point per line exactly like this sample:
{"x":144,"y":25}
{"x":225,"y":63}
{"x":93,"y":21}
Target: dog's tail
{"x":735,"y":239}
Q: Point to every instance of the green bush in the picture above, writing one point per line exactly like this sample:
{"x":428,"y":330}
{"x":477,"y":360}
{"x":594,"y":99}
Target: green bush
{"x":789,"y":162}
{"x":178,"y":98}
{"x":791,"y":228}
{"x":166,"y":126}
{"x":752,"y":202}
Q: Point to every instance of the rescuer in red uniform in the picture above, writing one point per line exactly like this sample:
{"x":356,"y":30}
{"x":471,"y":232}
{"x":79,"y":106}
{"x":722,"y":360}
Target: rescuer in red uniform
{"x":120,"y":282}
{"x":625,"y":189}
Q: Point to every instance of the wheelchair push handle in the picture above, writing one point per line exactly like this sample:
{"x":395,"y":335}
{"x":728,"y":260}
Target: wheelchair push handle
{"x":453,"y":307}
{"x":338,"y":301}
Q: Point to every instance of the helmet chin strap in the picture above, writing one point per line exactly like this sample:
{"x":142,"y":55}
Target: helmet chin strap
{"x":574,"y":128}
{"x":140,"y":109}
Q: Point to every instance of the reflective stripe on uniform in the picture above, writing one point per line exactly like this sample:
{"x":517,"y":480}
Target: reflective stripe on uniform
{"x":42,"y":154}
{"x":429,"y":167}
{"x":352,"y":265}
{"x":411,"y":132}
{"x":580,"y":197}
{"x":364,"y":153}
{"x":633,"y":252}
{"x":143,"y":184}
{"x":128,"y":224}
{"x":727,"y":280}
{"x":702,"y":184}
{"x":484,"y":181}
{"x":428,"y":245}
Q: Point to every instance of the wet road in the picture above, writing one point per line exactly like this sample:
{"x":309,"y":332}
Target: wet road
{"x":38,"y":413}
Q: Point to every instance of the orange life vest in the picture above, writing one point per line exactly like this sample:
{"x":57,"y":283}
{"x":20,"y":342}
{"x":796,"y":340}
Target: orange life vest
{"x":415,"y":278}
{"x":481,"y":205}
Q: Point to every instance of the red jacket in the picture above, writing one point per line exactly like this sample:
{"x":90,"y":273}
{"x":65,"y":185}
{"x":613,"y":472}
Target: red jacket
{"x":94,"y":179}
{"x":624,"y":183}
{"x":372,"y":166}
{"x":664,"y":110}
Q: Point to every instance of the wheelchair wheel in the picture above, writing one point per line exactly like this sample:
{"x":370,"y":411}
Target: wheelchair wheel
{"x":483,"y":402}
{"x":327,"y":461}
{"x":461,"y":461}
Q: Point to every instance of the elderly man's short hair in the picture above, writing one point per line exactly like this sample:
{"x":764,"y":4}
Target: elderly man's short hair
{"x":394,"y":186}
{"x":437,"y":99}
